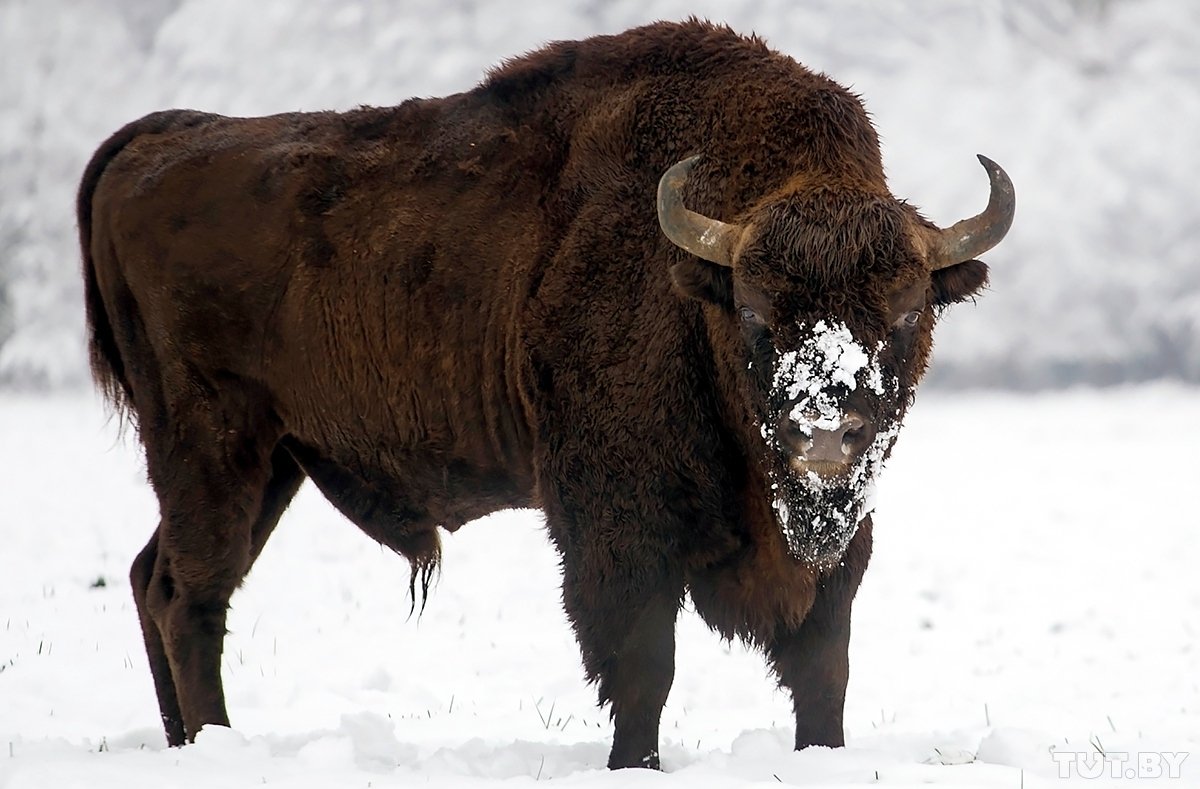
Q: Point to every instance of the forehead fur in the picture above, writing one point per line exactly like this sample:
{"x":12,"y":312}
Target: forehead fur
{"x":832,"y":241}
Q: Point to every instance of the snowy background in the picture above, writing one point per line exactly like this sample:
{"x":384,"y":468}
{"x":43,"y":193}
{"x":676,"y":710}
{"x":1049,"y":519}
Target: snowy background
{"x":1033,"y":590}
{"x":1093,"y":107}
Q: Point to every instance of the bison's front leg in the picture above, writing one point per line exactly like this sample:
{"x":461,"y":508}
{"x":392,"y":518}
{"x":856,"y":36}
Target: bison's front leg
{"x":812,"y":661}
{"x":623,"y":604}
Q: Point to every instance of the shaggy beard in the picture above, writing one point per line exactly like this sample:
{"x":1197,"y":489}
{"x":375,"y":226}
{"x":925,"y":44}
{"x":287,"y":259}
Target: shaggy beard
{"x":818,"y":516}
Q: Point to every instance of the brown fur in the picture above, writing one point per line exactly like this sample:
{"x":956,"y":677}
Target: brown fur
{"x":457,"y":305}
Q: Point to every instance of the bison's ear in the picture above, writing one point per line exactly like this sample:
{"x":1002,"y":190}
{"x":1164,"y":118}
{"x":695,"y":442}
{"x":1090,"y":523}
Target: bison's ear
{"x":959,"y":282}
{"x":704,"y":281}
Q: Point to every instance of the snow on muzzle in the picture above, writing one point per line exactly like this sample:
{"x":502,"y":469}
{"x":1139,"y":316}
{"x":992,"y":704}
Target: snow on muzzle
{"x":825,"y":452}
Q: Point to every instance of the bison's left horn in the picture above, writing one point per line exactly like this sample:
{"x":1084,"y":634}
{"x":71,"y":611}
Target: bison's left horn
{"x":703,"y":237}
{"x":972,"y":237}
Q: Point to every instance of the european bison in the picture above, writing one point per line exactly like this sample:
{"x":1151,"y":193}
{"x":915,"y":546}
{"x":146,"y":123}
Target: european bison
{"x":462,"y":304}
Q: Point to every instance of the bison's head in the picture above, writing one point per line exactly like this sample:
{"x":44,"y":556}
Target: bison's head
{"x":826,"y":295}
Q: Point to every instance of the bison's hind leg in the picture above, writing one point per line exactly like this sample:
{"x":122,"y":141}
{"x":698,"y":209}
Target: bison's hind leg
{"x":140,"y":575}
{"x":218,"y":504}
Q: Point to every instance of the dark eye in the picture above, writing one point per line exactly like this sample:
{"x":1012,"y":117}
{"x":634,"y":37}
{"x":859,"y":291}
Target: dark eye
{"x":911,"y":318}
{"x":748,"y":315}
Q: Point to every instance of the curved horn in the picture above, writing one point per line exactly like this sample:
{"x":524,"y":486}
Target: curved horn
{"x":705,"y":238}
{"x":972,"y":237}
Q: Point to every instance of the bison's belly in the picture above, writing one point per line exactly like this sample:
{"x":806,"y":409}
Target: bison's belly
{"x":393,"y":495}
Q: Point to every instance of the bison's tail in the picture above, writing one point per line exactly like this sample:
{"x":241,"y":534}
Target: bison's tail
{"x":108,"y":370}
{"x":108,"y":366}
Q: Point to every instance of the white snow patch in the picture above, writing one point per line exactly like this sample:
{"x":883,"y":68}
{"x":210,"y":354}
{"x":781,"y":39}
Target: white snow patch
{"x":831,"y":357}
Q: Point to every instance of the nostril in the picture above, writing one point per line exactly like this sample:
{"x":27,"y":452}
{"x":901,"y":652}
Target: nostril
{"x":794,"y":436}
{"x":853,"y":429}
{"x":852,"y":425}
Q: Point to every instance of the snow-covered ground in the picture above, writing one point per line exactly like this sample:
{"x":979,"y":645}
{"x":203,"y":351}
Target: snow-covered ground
{"x":1034,"y":591}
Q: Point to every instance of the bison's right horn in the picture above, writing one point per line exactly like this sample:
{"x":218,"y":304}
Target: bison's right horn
{"x":705,"y":238}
